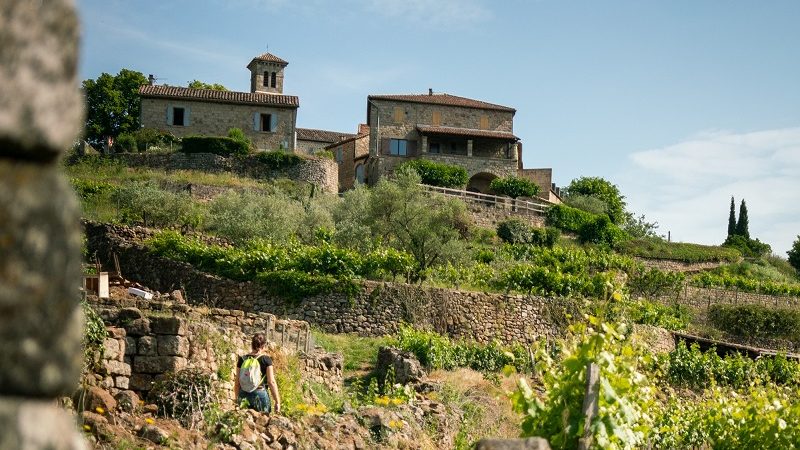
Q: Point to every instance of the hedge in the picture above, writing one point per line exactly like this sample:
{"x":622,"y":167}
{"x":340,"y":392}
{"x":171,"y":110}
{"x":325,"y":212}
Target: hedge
{"x":756,"y":320}
{"x":278,"y":159}
{"x":567,"y":218}
{"x":438,"y":174}
{"x":514,"y":187}
{"x":223,"y":146}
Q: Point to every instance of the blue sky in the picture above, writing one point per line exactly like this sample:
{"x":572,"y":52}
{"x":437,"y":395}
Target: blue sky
{"x":680,"y":103}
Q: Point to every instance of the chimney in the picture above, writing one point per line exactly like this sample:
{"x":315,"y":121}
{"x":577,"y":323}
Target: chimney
{"x":363,"y":128}
{"x":430,"y":91}
{"x":151,"y":79}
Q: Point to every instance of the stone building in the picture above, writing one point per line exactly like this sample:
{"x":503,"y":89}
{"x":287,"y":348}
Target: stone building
{"x":265,"y":114}
{"x":310,"y":141}
{"x":474,"y":134}
{"x":351,"y":156}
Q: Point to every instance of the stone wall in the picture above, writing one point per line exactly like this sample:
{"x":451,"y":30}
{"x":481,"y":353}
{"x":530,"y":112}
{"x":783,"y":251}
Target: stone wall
{"x":148,"y":338}
{"x":322,"y":172}
{"x":679,"y":266}
{"x":702,"y":297}
{"x":378,"y":309}
{"x":215,"y":119}
{"x":488,"y":215}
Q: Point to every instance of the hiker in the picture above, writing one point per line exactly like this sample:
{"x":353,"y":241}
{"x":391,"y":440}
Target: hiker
{"x":254,"y":373}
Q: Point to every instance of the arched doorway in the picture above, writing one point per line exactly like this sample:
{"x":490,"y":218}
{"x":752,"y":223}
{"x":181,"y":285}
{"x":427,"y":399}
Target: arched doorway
{"x":480,"y":182}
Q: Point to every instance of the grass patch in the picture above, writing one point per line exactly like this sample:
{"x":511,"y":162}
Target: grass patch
{"x":360,"y":353}
{"x":656,"y":248}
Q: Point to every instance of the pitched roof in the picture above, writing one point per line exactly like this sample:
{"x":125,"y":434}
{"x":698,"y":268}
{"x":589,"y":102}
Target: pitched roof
{"x":453,"y":131}
{"x":353,"y":137}
{"x":310,"y":134}
{"x":209,"y":95}
{"x":269,"y":57}
{"x":443,"y":99}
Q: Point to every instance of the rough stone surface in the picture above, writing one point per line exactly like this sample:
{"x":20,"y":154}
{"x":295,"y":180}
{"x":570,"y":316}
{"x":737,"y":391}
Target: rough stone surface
{"x":40,"y":104}
{"x":37,"y":424}
{"x":154,"y":434}
{"x":168,"y":325}
{"x":513,"y":444}
{"x":173,"y":346}
{"x":40,"y":317}
{"x":95,"y":397}
{"x":127,"y":401}
{"x":158,"y":364}
{"x":407,"y":369}
{"x":147,"y":346}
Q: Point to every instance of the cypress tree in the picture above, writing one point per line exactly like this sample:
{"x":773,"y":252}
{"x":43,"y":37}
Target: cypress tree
{"x":742,"y":225}
{"x":732,"y":219}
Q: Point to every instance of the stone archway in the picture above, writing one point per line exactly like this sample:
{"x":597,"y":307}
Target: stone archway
{"x":480,"y":182}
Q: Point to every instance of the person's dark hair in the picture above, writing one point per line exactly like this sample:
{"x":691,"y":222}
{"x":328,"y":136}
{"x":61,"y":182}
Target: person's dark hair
{"x":259,"y":341}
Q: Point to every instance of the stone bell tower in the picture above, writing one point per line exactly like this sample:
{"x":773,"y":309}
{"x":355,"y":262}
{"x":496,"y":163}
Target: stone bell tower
{"x":266,"y":74}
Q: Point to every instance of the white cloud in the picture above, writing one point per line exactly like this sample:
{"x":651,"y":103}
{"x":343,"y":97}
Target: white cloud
{"x":687,"y":186}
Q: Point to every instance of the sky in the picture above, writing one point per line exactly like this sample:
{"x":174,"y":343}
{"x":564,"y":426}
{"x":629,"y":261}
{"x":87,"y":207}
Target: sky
{"x":681,"y":103}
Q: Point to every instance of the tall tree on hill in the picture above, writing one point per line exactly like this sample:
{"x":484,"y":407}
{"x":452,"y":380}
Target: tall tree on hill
{"x":113,"y":105}
{"x":794,"y":255}
{"x":732,"y":219}
{"x":742,"y":226}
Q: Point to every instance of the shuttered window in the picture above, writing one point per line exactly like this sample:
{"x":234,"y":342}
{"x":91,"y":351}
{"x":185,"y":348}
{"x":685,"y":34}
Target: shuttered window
{"x":274,"y":79}
{"x":484,"y":122}
{"x":178,"y":116}
{"x":398,"y":147}
{"x":265,"y":122}
{"x":399,"y":114}
{"x":437,"y":118}
{"x":265,"y":81}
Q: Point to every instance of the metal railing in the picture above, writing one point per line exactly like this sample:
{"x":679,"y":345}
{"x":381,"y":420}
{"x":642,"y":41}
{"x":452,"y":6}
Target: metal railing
{"x":514,"y":205}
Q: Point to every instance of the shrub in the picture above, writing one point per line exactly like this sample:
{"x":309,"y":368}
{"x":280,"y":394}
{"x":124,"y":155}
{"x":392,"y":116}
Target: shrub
{"x":586,"y":203}
{"x":756,"y":320}
{"x":151,"y":137}
{"x":223,"y":146}
{"x":326,"y":154}
{"x":514,"y":187}
{"x":238,"y":135}
{"x":601,"y":231}
{"x":567,"y":218}
{"x":278,"y":159}
{"x":794,"y":255}
{"x":439,"y":174}
{"x":514,"y":231}
{"x":125,"y":143}
{"x":93,"y":338}
{"x":651,"y":283}
{"x":750,"y":248}
{"x":673,"y":318}
{"x":604,"y":190}
{"x":148,"y":204}
{"x":184,"y":395}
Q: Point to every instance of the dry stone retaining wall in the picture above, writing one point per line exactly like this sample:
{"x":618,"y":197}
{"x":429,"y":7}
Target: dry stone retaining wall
{"x":149,"y":338}
{"x":704,"y":297}
{"x":378,"y":309}
{"x":678,"y":266}
{"x":322,"y":172}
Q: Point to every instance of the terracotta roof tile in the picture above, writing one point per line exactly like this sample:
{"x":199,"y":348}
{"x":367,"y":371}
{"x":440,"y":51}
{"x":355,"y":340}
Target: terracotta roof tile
{"x":346,"y":140}
{"x":208,"y":95}
{"x":310,"y":134}
{"x":269,"y":57}
{"x":453,"y":131}
{"x":442,"y":99}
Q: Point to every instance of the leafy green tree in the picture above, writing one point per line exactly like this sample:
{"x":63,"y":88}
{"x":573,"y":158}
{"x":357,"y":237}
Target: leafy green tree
{"x":605,"y":191}
{"x":732,"y":219}
{"x":794,"y":255}
{"x":197,"y":84}
{"x":113,"y":105}
{"x":742,"y":226}
{"x":514,"y":187}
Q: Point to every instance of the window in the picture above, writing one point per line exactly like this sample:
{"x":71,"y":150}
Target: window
{"x":398,"y":147}
{"x":265,"y":82}
{"x":434,"y":148}
{"x":274,"y":79}
{"x":360,"y":173}
{"x":339,"y":154}
{"x":266,"y":122}
{"x":399,"y":114}
{"x":484,"y":122}
{"x":178,"y":116}
{"x":437,"y":118}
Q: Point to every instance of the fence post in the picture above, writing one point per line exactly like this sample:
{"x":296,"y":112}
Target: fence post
{"x":590,"y":404}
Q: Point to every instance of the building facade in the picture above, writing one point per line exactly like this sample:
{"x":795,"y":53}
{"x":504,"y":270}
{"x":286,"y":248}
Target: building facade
{"x":265,"y":114}
{"x":455,"y":130}
{"x":351,"y":156}
{"x":311,"y":141}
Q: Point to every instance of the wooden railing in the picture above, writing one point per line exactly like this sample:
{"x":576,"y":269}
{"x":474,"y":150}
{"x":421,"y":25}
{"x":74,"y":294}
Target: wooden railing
{"x":517,"y":206}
